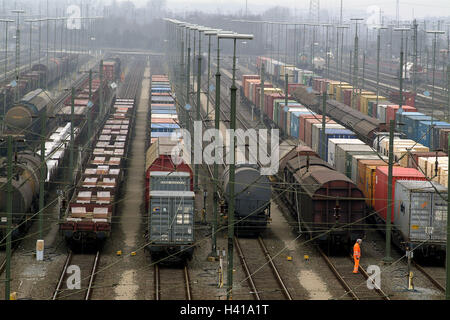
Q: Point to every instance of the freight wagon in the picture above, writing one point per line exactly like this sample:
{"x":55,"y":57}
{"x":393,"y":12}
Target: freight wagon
{"x":87,"y":222}
{"x":366,"y":166}
{"x":169,"y":196}
{"x":24,"y":118}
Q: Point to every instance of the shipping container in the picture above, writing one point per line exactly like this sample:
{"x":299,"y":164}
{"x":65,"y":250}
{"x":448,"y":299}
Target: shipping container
{"x":171,"y":218}
{"x":425,"y":132}
{"x":366,"y":177}
{"x":421,"y":213}
{"x":332,"y":145}
{"x":381,"y":187}
{"x":341,"y":150}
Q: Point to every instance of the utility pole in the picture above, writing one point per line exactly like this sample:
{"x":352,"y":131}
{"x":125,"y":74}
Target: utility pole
{"x":355,"y":63}
{"x":89,"y":111}
{"x":327,"y":57}
{"x":324,"y":115}
{"x":388,"y":258}
{"x":199,"y":71}
{"x":216,"y":165}
{"x":72,"y":138}
{"x":17,"y":97}
{"x":233,"y":90}
{"x":9,"y":221}
{"x":415,"y":60}
{"x":435,"y":32}
{"x":42,"y":177}
{"x":378,"y":60}
{"x":261,"y":98}
{"x":101,"y":111}
{"x":286,"y":94}
{"x":447,"y":252}
{"x":6,"y":60}
{"x":188,"y":76}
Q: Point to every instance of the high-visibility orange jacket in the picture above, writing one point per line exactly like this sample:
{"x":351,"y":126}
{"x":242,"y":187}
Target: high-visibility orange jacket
{"x":356,"y":251}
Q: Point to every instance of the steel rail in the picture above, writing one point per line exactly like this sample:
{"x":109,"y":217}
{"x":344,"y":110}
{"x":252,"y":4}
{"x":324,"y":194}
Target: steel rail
{"x":382,"y":294}
{"x":187,"y":282}
{"x":429,"y":277}
{"x":92,"y":276}
{"x":157,"y":284}
{"x":338,"y":276}
{"x":250,"y":281}
{"x":275,"y":270}
{"x":61,"y":277}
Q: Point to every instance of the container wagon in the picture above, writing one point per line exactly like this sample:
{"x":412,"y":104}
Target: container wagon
{"x":364,"y":161}
{"x":169,"y":196}
{"x":87,"y":222}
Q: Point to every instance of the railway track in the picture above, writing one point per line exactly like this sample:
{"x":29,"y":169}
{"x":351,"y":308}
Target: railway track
{"x":256,"y":269}
{"x":172,"y":283}
{"x":354,"y":284}
{"x":87,"y":264}
{"x":430,"y":277}
{"x":133,"y":80}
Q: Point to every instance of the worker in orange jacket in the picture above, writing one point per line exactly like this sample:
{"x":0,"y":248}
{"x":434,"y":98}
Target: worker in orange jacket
{"x":357,"y":255}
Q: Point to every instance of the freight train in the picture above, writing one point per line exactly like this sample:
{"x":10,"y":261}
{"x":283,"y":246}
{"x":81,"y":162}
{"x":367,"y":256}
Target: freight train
{"x":169,"y":195}
{"x":419,"y":225}
{"x":37,"y":77}
{"x":24,"y":120}
{"x":87,"y":222}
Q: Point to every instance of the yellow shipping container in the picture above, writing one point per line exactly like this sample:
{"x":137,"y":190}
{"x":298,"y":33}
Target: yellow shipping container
{"x":431,"y":173}
{"x":331,"y":85}
{"x":364,"y":102}
{"x":443,"y":176}
{"x":289,"y":69}
{"x":338,"y":91}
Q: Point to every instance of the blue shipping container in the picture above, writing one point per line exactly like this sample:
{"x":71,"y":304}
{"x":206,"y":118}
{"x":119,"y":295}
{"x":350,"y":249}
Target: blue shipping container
{"x":424,"y":132}
{"x":411,"y":124}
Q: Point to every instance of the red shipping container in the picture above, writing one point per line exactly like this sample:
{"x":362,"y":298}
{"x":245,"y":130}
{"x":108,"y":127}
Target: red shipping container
{"x":413,"y":157}
{"x":443,"y":139}
{"x":269,"y":103}
{"x":347,"y":97}
{"x":391,"y":111}
{"x":303,"y":118}
{"x":161,"y":160}
{"x":257,"y":93}
{"x":251,"y":84}
{"x":308,"y":127}
{"x":293,"y":86}
{"x":381,"y":186}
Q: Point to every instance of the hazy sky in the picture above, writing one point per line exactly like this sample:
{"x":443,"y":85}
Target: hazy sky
{"x":421,"y":8}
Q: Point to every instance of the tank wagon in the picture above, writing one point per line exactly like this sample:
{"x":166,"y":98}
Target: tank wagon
{"x":169,"y":196}
{"x":36,"y":78}
{"x":23,"y":117}
{"x":253,"y":192}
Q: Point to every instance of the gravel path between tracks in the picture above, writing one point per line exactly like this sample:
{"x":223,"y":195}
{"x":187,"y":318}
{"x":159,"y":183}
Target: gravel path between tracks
{"x":126,"y":277}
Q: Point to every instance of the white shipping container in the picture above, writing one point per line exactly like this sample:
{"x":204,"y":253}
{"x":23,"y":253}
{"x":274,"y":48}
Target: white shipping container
{"x":332,"y":143}
{"x":341,"y":154}
{"x":381,"y":113}
{"x":420,"y":214}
